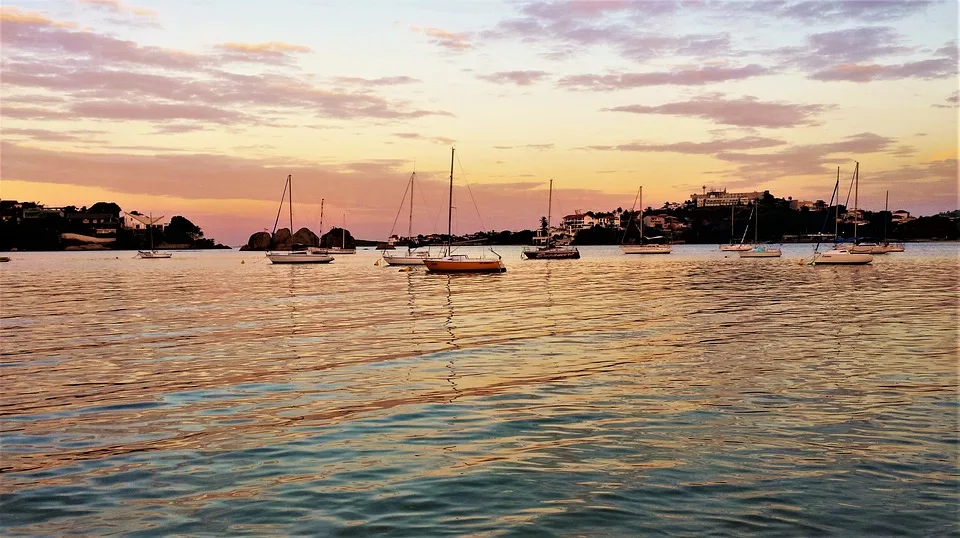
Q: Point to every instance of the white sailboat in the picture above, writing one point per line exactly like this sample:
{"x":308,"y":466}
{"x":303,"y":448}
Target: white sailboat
{"x":342,"y":249}
{"x":412,"y":257}
{"x":758,"y":250}
{"x":449,"y":262}
{"x":839,"y":255}
{"x":298,"y":253}
{"x":641,"y":248}
{"x":551,"y":251}
{"x":153,"y":254}
{"x":887,"y":245}
{"x":735,"y":247}
{"x":861,"y":247}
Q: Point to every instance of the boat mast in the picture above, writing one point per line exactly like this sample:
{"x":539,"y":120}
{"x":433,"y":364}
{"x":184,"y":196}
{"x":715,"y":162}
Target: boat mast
{"x":886,"y":217}
{"x":549,"y":210}
{"x":836,"y":218}
{"x":321,"y":217}
{"x":151,"y":231}
{"x":756,"y":227}
{"x":732,"y":230}
{"x":410,"y":225}
{"x":343,"y":233}
{"x":290,"y":194}
{"x":640,"y":194}
{"x":856,"y":190}
{"x":450,"y":207}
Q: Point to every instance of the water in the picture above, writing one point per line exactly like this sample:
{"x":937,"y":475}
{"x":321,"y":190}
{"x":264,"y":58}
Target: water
{"x":690,"y":394}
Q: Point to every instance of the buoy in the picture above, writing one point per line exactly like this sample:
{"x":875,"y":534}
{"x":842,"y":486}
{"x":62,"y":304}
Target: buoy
{"x":242,"y":262}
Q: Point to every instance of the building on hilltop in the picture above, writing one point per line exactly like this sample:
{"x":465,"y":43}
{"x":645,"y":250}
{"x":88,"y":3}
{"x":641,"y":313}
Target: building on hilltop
{"x":578,"y":221}
{"x":716,"y":198}
{"x":136,"y":221}
{"x":797,"y":205}
{"x":900,"y":216}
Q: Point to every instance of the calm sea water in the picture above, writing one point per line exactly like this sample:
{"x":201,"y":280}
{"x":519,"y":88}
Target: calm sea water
{"x":691,"y":394}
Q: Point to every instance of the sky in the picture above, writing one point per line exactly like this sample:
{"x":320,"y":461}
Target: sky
{"x":202,"y":109}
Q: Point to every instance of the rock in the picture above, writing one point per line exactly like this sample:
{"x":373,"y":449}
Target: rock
{"x":334,"y":238}
{"x":281,"y":239}
{"x":258,"y":241}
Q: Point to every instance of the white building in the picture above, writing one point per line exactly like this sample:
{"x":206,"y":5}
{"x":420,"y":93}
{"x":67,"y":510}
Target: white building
{"x":578,"y":221}
{"x":133,"y":221}
{"x":724,"y":198}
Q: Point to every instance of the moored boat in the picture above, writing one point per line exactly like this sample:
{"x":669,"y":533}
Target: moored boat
{"x":841,"y":256}
{"x":761,"y":251}
{"x":460,"y":263}
{"x":551,"y":251}
{"x":641,"y":247}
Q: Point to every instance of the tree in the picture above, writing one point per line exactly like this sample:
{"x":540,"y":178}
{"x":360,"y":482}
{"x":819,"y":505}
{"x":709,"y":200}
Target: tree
{"x":181,"y":230}
{"x":106,"y":207}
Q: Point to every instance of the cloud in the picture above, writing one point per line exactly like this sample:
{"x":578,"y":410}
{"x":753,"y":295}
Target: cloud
{"x":417,"y":136}
{"x":865,"y":10}
{"x":116,"y":6}
{"x":952,"y":102}
{"x":520,"y":78}
{"x":381,"y":81}
{"x":803,"y":160}
{"x":271,"y":52}
{"x":97,"y":72}
{"x":178,"y":128}
{"x":12,"y":15}
{"x":924,"y":69}
{"x":744,"y":112}
{"x":47,"y":135}
{"x":536,"y":147}
{"x":684,"y":77}
{"x":703,"y":148}
{"x":457,"y":42}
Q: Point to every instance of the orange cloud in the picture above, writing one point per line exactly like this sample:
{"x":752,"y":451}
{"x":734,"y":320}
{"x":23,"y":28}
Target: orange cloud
{"x":443,"y":38}
{"x":275,"y":47}
{"x":13,"y":14}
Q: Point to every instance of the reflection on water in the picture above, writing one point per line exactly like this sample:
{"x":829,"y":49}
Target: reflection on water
{"x":688,"y":394}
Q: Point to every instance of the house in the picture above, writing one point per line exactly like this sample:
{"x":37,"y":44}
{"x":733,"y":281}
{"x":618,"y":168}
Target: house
{"x":663,"y":222}
{"x":578,"y":221}
{"x":607,"y":220}
{"x":797,"y":205}
{"x":136,"y":221}
{"x":98,"y":223}
{"x":900,"y":216}
{"x":717,"y":198}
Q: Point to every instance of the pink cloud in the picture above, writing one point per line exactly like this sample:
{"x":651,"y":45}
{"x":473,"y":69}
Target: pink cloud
{"x":381,"y":81}
{"x":705,"y":148}
{"x":417,"y":136}
{"x":40,"y":53}
{"x":116,"y":6}
{"x":177,"y":128}
{"x":47,"y":135}
{"x":744,"y":112}
{"x":686,"y":77}
{"x":924,"y":69}
{"x":452,"y":41}
{"x":520,"y":78}
{"x":368,"y":192}
{"x":272,"y":53}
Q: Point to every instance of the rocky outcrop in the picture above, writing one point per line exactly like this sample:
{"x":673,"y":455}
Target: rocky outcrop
{"x":335,"y":238}
{"x":258,"y":241}
{"x":281,"y":240}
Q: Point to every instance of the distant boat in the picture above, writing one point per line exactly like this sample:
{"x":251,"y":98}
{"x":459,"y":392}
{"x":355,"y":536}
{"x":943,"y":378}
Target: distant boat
{"x":298,"y":253}
{"x":412,"y":257}
{"x":736,"y":247}
{"x":4,"y":259}
{"x":641,"y":248}
{"x":758,"y":250}
{"x":152,"y":254}
{"x":460,"y":263}
{"x":861,"y":247}
{"x":888,"y":246}
{"x":839,"y":255}
{"x":551,"y":251}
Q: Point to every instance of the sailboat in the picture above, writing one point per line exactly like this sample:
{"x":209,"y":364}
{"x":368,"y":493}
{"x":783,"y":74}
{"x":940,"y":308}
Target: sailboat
{"x":412,"y":257}
{"x":551,"y":251}
{"x":758,"y":250}
{"x":887,"y":245}
{"x":153,"y":254}
{"x":460,"y":263}
{"x":298,"y":253}
{"x":640,"y":248}
{"x":867,"y":247}
{"x":839,"y":255}
{"x":734,"y":247}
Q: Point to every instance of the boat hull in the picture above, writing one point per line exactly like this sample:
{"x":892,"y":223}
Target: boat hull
{"x":868,"y":249}
{"x":552,"y":254}
{"x":893,"y":248}
{"x":842,"y":258}
{"x":646,"y":249}
{"x":735,"y":248}
{"x":339,"y":251}
{"x":439,"y":265}
{"x":299,"y":258}
{"x":154,"y":255}
{"x":772,"y":253}
{"x":403,"y":260}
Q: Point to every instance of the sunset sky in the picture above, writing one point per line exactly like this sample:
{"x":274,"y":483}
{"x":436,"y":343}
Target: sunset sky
{"x":202,"y":108}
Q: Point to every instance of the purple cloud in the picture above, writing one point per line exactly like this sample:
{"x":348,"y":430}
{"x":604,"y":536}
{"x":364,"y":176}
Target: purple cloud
{"x":698,"y":148}
{"x":520,"y":78}
{"x":685,"y":77}
{"x":743,"y":112}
